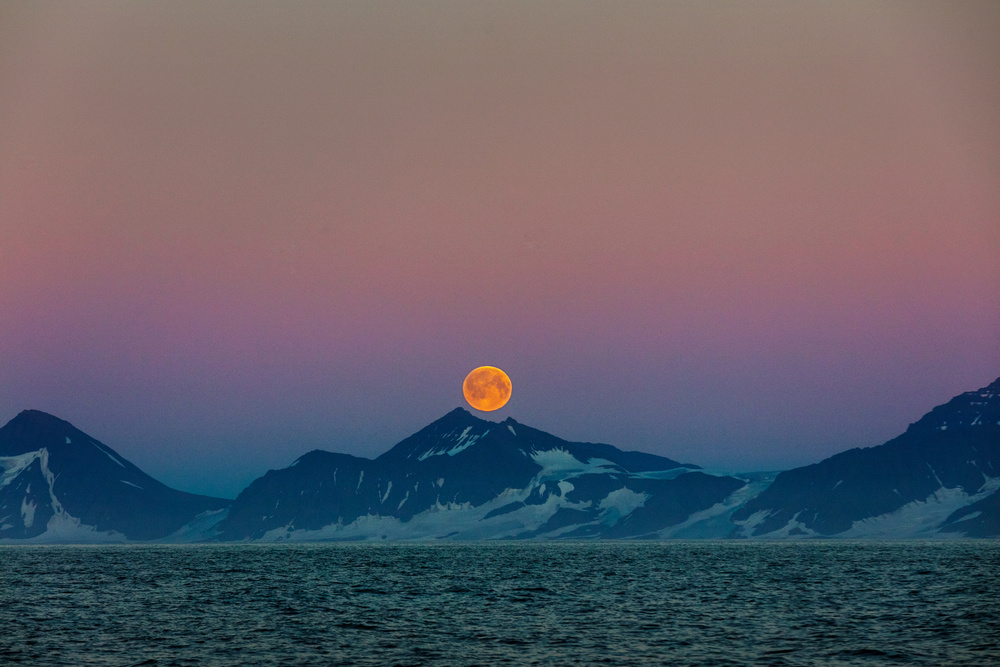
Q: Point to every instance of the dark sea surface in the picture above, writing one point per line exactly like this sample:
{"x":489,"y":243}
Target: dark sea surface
{"x":705,"y":603}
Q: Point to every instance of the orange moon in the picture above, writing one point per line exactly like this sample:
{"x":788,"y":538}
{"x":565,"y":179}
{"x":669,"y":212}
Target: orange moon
{"x":487,"y":388}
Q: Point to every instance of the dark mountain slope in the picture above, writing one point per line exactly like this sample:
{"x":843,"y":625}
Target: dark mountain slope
{"x":956,"y":446}
{"x":57,"y":478}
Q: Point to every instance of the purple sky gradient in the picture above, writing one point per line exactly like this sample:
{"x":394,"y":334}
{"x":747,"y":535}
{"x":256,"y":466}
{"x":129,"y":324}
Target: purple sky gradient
{"x":746,"y":236}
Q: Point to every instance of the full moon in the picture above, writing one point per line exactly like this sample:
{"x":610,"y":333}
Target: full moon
{"x":487,"y":388}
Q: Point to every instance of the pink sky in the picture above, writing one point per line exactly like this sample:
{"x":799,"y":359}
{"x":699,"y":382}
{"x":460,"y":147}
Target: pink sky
{"x":742,"y":235}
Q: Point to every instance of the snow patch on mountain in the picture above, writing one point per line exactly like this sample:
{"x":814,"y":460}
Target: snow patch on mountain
{"x":559,"y":462}
{"x":714,"y":522}
{"x":619,"y":503}
{"x":793,"y":529}
{"x":201,"y":529}
{"x":452,"y":445}
{"x":28,"y":512}
{"x":457,"y":521}
{"x":62,"y":528}
{"x":14,"y":465}
{"x":65,"y":529}
{"x":748,"y":525}
{"x":106,"y":453}
{"x":921,"y":518}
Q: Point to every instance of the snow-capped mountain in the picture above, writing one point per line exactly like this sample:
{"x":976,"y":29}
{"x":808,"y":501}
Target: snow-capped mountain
{"x":467,"y":478}
{"x":939,"y":477}
{"x":462,"y":477}
{"x":58,"y":484}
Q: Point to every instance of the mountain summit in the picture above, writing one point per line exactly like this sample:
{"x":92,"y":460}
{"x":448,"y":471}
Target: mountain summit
{"x":58,"y":484}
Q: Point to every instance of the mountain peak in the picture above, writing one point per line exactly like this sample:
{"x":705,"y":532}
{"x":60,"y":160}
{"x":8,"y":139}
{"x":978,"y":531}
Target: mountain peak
{"x":36,"y":417}
{"x":456,"y":425}
{"x":31,"y":429}
{"x":460,"y":416}
{"x":458,"y":413}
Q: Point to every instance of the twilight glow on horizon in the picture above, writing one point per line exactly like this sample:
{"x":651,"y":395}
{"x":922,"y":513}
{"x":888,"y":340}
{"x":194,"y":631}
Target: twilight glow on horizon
{"x":746,"y":236}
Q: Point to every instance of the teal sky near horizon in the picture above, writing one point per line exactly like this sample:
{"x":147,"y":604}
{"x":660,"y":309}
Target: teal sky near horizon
{"x":748,"y":236}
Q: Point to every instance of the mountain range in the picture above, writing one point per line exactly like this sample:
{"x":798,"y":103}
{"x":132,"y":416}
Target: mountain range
{"x":466,"y":478}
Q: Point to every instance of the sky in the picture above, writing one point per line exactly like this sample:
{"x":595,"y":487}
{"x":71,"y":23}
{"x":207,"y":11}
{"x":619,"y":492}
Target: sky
{"x":742,"y":235}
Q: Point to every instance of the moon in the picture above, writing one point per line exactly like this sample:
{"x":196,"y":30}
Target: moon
{"x":487,"y":388}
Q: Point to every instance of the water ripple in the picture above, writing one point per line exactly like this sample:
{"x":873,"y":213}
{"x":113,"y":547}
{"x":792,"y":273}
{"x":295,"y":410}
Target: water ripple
{"x":685,"y":603}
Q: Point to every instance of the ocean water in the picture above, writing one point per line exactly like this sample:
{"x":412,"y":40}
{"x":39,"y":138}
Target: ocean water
{"x":679,"y":603}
